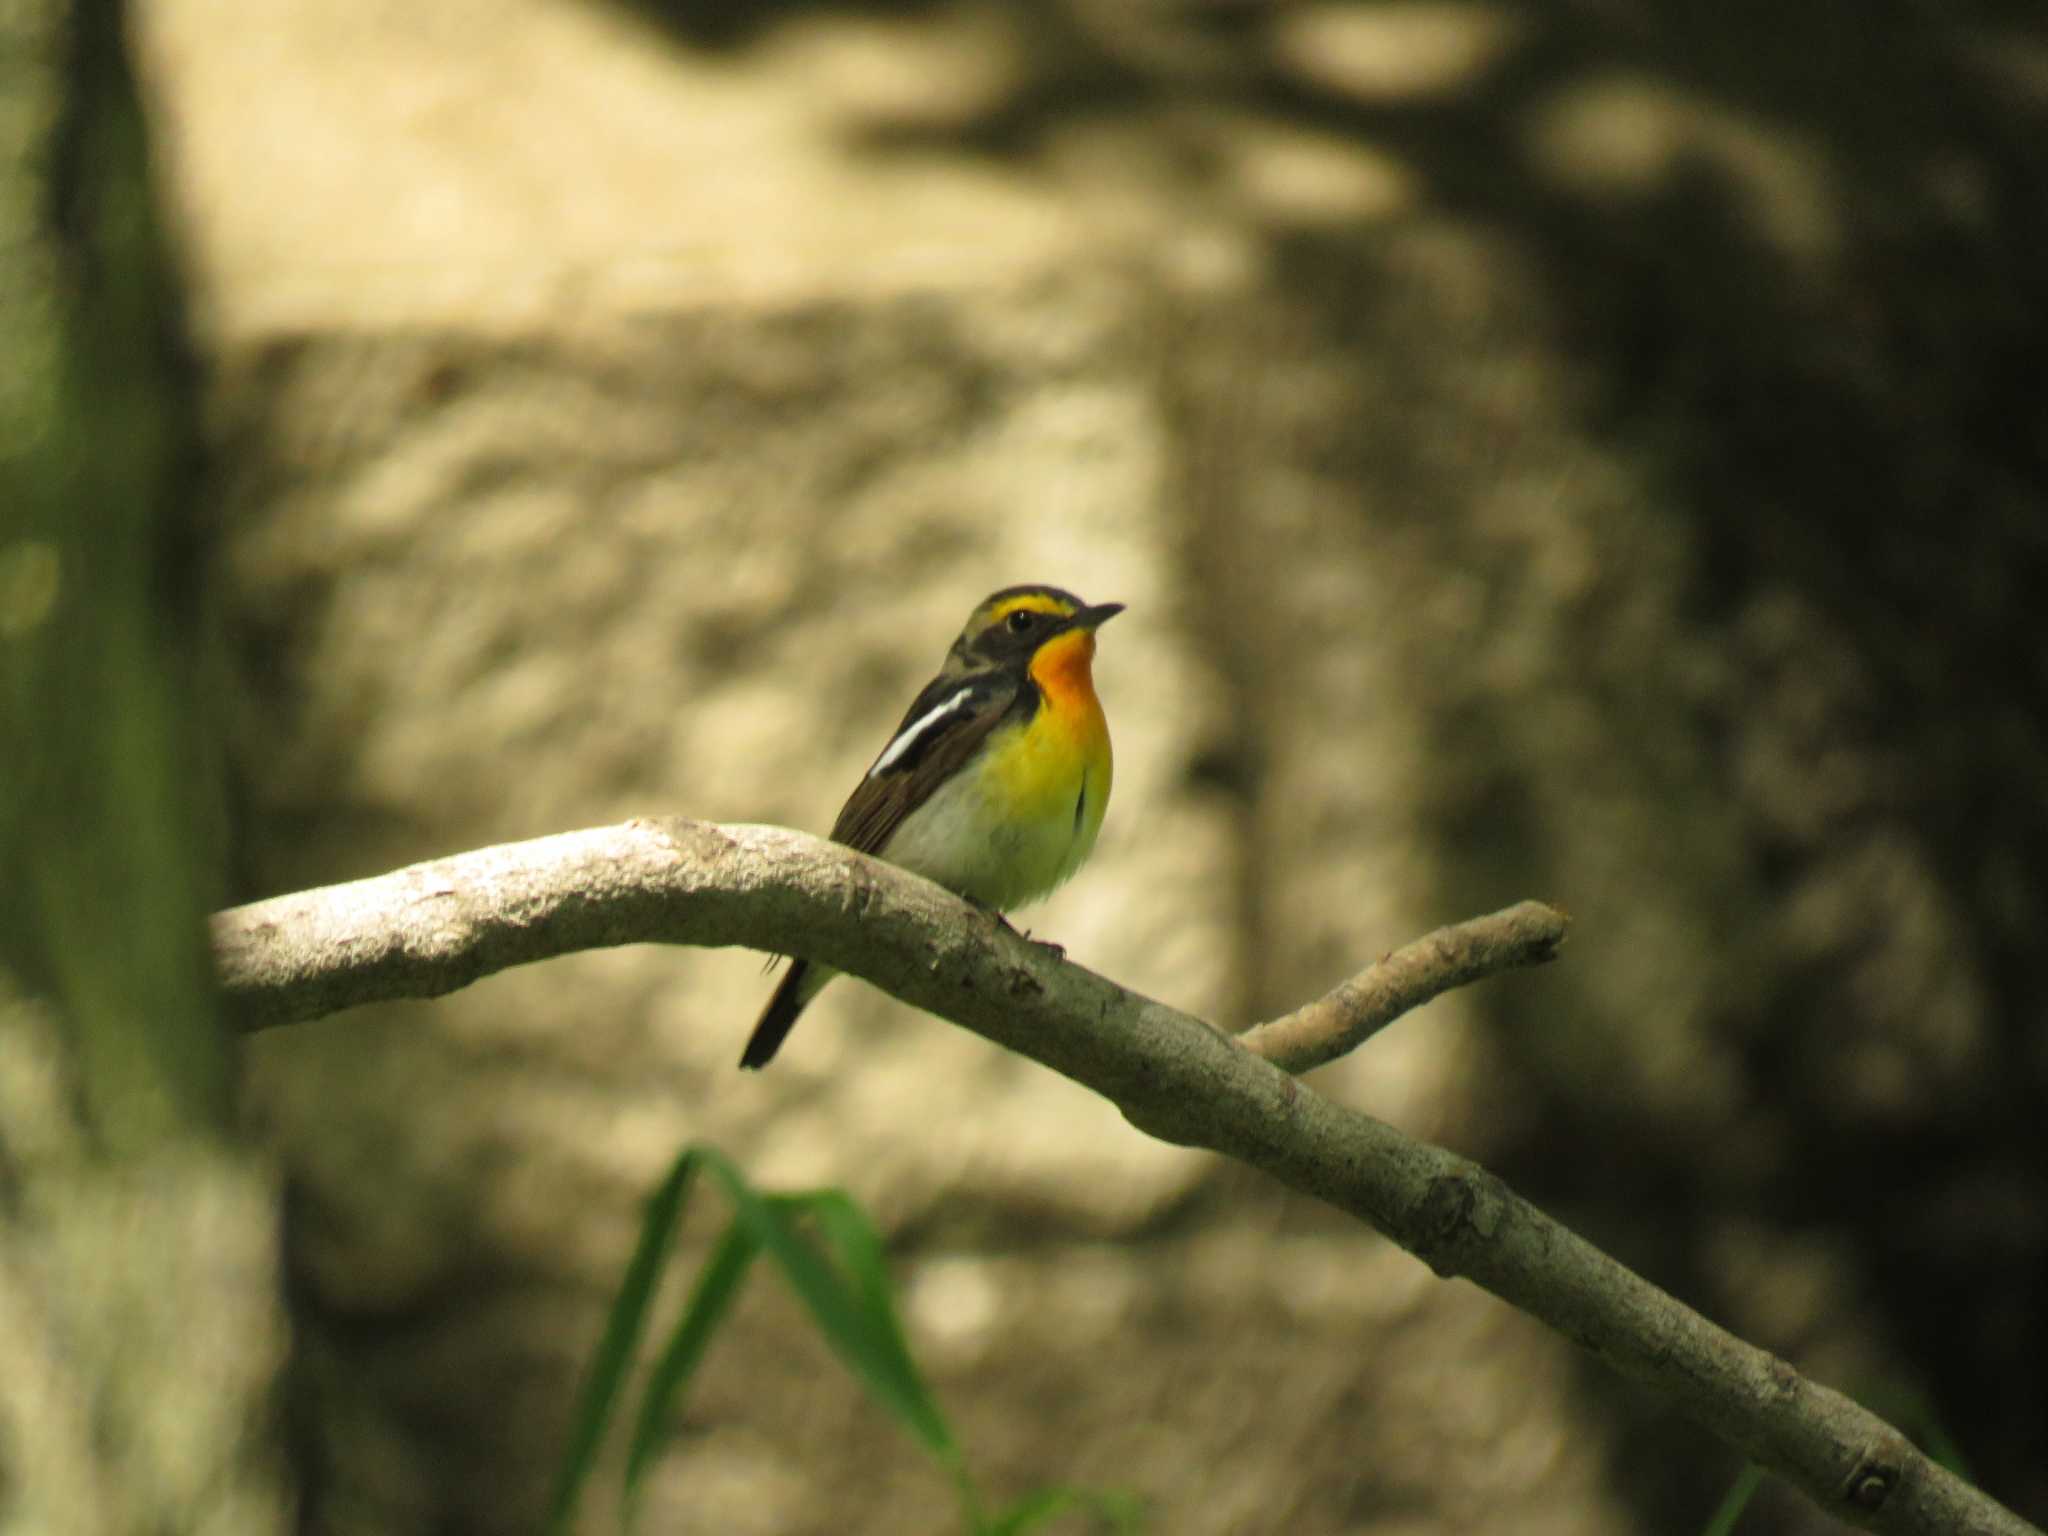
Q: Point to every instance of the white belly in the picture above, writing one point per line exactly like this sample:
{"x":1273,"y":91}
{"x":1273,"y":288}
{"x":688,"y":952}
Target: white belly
{"x":957,"y":839}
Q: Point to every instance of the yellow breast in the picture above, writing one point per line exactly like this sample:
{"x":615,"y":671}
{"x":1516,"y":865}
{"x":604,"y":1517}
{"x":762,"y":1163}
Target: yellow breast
{"x":1008,"y":830}
{"x":1056,"y":776}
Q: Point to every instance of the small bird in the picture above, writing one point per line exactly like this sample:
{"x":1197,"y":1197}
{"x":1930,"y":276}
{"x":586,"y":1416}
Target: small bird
{"x":994,"y":784}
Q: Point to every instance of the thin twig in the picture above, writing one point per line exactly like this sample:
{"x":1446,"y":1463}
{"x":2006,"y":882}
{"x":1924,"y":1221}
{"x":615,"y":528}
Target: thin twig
{"x":1343,"y":1019}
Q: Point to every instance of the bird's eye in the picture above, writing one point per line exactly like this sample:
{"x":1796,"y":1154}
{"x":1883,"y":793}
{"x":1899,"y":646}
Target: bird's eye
{"x":1022,"y":621}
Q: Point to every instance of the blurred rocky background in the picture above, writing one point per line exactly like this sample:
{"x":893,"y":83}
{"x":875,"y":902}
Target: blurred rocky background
{"x":1584,"y":451}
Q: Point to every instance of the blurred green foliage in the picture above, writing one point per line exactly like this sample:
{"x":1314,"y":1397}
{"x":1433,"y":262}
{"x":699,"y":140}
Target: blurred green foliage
{"x":828,"y":1250}
{"x":103,"y":824}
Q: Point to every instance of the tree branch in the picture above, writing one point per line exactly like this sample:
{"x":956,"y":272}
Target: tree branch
{"x":428,"y":929}
{"x":1345,"y":1018}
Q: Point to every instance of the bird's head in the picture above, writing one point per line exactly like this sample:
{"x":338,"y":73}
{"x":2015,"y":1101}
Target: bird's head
{"x":1009,"y":628}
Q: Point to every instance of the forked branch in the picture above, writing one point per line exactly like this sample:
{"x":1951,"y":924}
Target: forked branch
{"x":434,"y":927}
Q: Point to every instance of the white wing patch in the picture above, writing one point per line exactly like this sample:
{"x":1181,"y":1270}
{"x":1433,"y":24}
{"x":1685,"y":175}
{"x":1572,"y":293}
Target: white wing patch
{"x":919,"y":730}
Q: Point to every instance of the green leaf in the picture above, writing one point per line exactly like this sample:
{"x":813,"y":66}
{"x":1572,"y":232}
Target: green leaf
{"x":1118,"y":1511}
{"x":622,"y":1330}
{"x":717,"y":1285}
{"x":857,"y":1248}
{"x":1743,"y":1490}
{"x":855,"y":1243}
{"x":871,"y":1349}
{"x":842,"y":1279}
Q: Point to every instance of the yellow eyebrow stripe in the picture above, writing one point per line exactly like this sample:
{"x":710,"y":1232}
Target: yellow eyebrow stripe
{"x":1032,"y":602}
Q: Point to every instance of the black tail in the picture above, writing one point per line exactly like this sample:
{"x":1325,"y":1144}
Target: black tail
{"x":777,"y":1019}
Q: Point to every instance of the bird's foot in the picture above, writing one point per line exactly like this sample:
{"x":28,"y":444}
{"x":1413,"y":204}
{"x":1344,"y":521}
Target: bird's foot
{"x":1057,"y":951}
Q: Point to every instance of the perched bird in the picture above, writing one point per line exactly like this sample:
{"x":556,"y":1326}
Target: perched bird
{"x":994,"y":784}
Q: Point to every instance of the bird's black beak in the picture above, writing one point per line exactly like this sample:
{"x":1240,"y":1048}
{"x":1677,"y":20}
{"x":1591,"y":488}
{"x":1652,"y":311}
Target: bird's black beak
{"x":1096,"y":617}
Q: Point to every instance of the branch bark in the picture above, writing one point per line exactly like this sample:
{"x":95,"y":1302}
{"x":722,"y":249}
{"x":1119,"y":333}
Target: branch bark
{"x":431,"y":928}
{"x":1345,"y":1018}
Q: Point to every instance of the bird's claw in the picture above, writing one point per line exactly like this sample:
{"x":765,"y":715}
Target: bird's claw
{"x":1057,"y":951}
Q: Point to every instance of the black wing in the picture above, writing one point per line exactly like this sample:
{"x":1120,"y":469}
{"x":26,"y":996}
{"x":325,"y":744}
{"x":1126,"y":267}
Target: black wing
{"x":941,"y":730}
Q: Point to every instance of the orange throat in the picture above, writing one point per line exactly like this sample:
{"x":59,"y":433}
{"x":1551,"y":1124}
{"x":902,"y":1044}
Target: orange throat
{"x":1061,"y":669}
